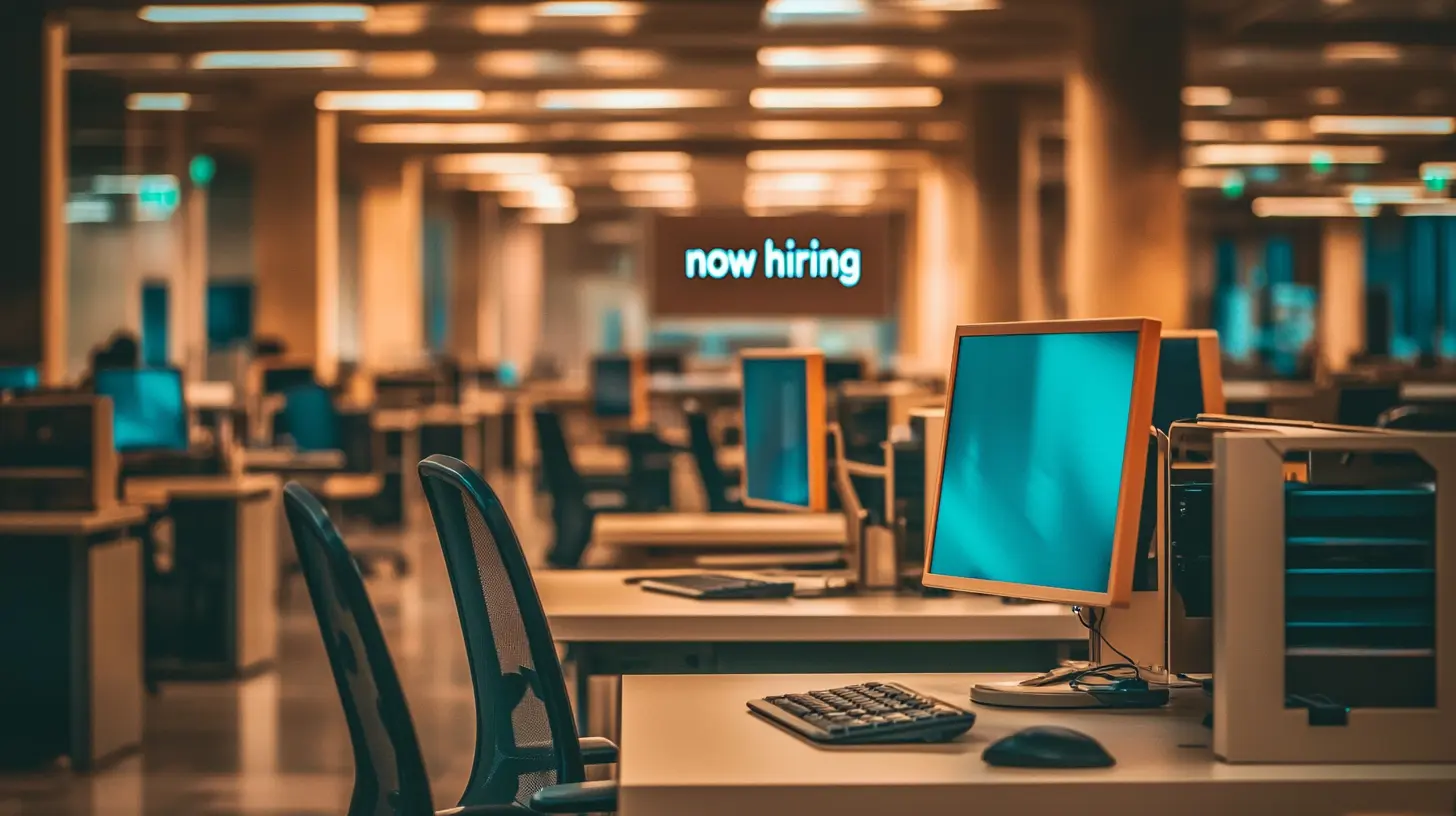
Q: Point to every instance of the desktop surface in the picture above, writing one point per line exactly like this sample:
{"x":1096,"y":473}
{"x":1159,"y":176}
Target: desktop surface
{"x":776,"y":431}
{"x":148,"y":408}
{"x":724,"y":760}
{"x":1036,"y":437}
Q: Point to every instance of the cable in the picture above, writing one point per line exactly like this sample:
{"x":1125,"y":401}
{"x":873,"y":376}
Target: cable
{"x":1094,"y":626}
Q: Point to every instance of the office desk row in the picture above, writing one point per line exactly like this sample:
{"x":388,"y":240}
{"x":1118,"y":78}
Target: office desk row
{"x":717,"y":759}
{"x":610,"y":627}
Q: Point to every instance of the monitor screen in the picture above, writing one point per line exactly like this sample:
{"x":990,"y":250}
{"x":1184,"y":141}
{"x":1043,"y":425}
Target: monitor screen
{"x":784,"y":432}
{"x":279,"y":380}
{"x":843,"y":369}
{"x":19,"y":378}
{"x":612,"y":386}
{"x":1043,"y":460}
{"x":229,"y":313}
{"x":147,"y":406}
{"x":1180,"y":383}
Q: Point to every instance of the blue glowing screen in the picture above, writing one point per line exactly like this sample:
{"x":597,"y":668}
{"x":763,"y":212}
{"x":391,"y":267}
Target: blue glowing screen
{"x":1035,"y":439}
{"x":1180,"y":382}
{"x":612,"y":386}
{"x":19,"y":378}
{"x":776,"y":430}
{"x":148,"y":411}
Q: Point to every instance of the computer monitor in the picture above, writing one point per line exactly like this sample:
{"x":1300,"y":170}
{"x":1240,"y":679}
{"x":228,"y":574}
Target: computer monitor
{"x":619,"y":387}
{"x":19,"y":378}
{"x":1043,"y":460}
{"x":149,"y":412}
{"x":1190,"y":378}
{"x":784,"y":430}
{"x":229,"y":313}
{"x":844,"y":369}
{"x":278,"y":379}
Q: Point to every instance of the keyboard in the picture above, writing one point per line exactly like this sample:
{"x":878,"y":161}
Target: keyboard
{"x":709,"y":586}
{"x":865,"y":713}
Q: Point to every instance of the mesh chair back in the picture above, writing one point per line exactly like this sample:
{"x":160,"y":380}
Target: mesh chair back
{"x":526,"y":736}
{"x":310,"y":418}
{"x":1419,"y":418}
{"x":571,"y":516}
{"x":705,"y":455}
{"x":389,"y":771}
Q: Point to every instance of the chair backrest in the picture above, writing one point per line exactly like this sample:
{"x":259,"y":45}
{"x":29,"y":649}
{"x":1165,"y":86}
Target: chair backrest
{"x":561,"y":475}
{"x":1419,"y":418}
{"x":526,"y":736}
{"x":389,"y":771}
{"x":705,"y":456}
{"x":649,"y":473}
{"x":311,"y":418}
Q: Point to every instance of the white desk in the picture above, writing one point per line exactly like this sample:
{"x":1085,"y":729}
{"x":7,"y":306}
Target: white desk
{"x":612,"y":628}
{"x":626,"y":537}
{"x":724,"y":760}
{"x":289,"y":460}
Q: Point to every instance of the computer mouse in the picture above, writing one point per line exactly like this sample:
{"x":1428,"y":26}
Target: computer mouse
{"x":1048,"y":746}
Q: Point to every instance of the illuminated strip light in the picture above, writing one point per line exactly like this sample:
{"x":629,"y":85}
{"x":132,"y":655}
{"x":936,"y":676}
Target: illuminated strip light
{"x":400,"y":64}
{"x":401,"y":101}
{"x":425,"y":133}
{"x":123,"y":62}
{"x":1214,"y":155}
{"x":540,"y":198}
{"x":777,"y":12}
{"x":1207,"y":96}
{"x":513,"y":182}
{"x":651,"y":182}
{"x":1362,"y":52}
{"x":661,"y":199}
{"x":159,"y":102}
{"x":1383,"y":125}
{"x":788,"y":130}
{"x":89,"y":211}
{"x":1311,"y":207}
{"x":557,"y":215}
{"x":501,"y":163}
{"x":647,"y":162}
{"x":814,"y":182}
{"x":273,"y":13}
{"x":830,"y":160}
{"x":839,"y":98}
{"x":1374,"y":194}
{"x":587,"y":8}
{"x":274,"y":60}
{"x":628,"y":99}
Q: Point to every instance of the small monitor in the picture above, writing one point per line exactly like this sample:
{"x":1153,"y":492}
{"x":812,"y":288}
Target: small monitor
{"x":1043,"y":460}
{"x":1190,"y":378}
{"x":229,"y":313}
{"x":148,"y":410}
{"x":784,"y":430}
{"x":612,"y":385}
{"x":19,"y":378}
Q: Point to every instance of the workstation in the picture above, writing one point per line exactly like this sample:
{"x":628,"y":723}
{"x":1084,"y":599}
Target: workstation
{"x":876,"y":406}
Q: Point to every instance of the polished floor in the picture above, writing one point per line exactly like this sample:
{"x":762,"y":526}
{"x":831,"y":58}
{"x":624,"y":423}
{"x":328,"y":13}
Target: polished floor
{"x":277,"y":744}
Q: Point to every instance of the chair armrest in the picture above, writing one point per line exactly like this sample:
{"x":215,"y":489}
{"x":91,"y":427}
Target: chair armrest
{"x":598,"y":751}
{"x":481,"y":810}
{"x":577,"y":797}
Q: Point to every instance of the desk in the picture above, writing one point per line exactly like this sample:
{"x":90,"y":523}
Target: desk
{"x":71,"y":593}
{"x":724,"y":760}
{"x":397,"y":456}
{"x":213,"y":614}
{"x":1428,"y":392}
{"x":612,"y":628}
{"x":628,"y":536}
{"x":288,"y":460}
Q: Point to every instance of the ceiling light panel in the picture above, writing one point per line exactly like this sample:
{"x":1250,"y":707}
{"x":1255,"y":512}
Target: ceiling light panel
{"x":1207,"y":96}
{"x":1309,"y":207}
{"x":789,"y":130}
{"x":260,"y":13}
{"x":854,"y":59}
{"x":423,"y":133}
{"x":1383,"y":125}
{"x":400,"y":64}
{"x":397,"y":19}
{"x":498,"y":163}
{"x":842,"y":98}
{"x":628,"y":99}
{"x":124,"y":62}
{"x":1216,"y":155}
{"x":402,"y":101}
{"x":275,"y":60}
{"x":831,"y":160}
{"x":652,"y":182}
{"x":159,"y":102}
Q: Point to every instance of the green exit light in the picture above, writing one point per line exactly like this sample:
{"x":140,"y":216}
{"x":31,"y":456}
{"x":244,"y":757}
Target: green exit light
{"x":1233,"y":184}
{"x":157,"y":197}
{"x":1322,"y":162}
{"x":202,"y":170}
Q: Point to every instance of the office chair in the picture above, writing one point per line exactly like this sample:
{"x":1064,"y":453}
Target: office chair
{"x":1418,"y":418}
{"x":705,"y":456}
{"x":574,"y":503}
{"x":389,"y":771}
{"x":526,"y":745}
{"x":649,"y":473}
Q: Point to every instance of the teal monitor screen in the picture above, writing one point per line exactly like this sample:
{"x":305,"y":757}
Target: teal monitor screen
{"x":19,"y":378}
{"x":776,"y":431}
{"x":1035,"y":438}
{"x":147,"y":408}
{"x":612,"y":386}
{"x":1180,"y":383}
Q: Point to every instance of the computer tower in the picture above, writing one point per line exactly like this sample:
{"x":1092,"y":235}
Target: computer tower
{"x":57,"y":454}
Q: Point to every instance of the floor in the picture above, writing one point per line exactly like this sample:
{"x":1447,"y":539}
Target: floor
{"x":277,"y":744}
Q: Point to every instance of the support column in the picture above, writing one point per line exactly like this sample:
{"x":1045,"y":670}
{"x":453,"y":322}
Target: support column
{"x":1035,"y":304}
{"x":1342,"y":292}
{"x":1127,"y":222}
{"x":188,"y":300}
{"x":296,"y":232}
{"x":33,"y":285}
{"x":941,"y":273}
{"x":391,"y":271}
{"x":992,"y":226}
{"x":523,"y":289}
{"x":475,"y":322}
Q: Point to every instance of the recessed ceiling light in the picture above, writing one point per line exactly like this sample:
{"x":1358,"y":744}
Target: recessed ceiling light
{"x":841,"y":98}
{"x":1245,"y":155}
{"x":1207,"y":96}
{"x":1384,"y":125}
{"x":1309,"y":207}
{"x":400,"y":64}
{"x":421,"y":133}
{"x":502,"y":163}
{"x":402,"y":101}
{"x":159,"y":102}
{"x":628,"y":99}
{"x":268,"y":60}
{"x":1362,"y":52}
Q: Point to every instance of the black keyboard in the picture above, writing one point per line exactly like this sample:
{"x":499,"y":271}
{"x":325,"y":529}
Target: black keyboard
{"x":865,"y":713}
{"x":711,"y":586}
